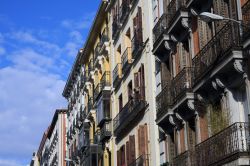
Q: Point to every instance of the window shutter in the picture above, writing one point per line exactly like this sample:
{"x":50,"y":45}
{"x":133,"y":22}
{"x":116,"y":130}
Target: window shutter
{"x":142,"y":83}
{"x":132,"y":148}
{"x":127,"y":153}
{"x":118,"y":158}
{"x":123,"y":155}
{"x":139,"y":24}
{"x":143,"y":140}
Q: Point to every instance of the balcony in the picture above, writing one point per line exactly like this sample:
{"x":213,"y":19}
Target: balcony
{"x":90,"y":104}
{"x":126,"y":61}
{"x":160,"y":37}
{"x":106,"y":131}
{"x":143,"y":160}
{"x":176,"y":11}
{"x":164,"y":102}
{"x":91,"y":154}
{"x":124,"y":11}
{"x":218,"y":53}
{"x":137,"y":45}
{"x":116,"y":27}
{"x":104,"y":43}
{"x":117,"y":75}
{"x":128,"y":114}
{"x":246,"y":20}
{"x":228,"y":145}
{"x":97,"y":54}
{"x":103,"y":110}
{"x":104,"y":87}
{"x":181,"y":84}
{"x":184,"y":159}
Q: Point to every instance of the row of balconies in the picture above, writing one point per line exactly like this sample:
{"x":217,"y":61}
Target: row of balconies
{"x":121,"y":17}
{"x":128,"y":114}
{"x":123,"y":68}
{"x":227,"y":145}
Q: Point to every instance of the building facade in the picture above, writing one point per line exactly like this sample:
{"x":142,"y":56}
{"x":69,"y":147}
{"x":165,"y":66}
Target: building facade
{"x":157,"y":82}
{"x":52,"y":149}
{"x":203,"y":83}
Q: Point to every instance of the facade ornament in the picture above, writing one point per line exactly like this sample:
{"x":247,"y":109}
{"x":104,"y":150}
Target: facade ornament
{"x":238,"y":65}
{"x":190,"y":104}
{"x":219,"y":83}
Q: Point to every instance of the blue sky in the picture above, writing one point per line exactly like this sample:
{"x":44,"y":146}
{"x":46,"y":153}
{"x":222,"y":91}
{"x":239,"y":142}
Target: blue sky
{"x":39,"y":40}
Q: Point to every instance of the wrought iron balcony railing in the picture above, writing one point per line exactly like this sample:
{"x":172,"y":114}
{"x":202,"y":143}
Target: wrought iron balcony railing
{"x":227,"y":145}
{"x":124,"y":11}
{"x":160,"y":27}
{"x":184,"y":159}
{"x":106,"y":132}
{"x":182,"y":83}
{"x":143,"y":160}
{"x":137,"y":44}
{"x":126,"y":60}
{"x":216,"y":49}
{"x":117,"y":75}
{"x":164,"y":101}
{"x":97,"y":52}
{"x":116,"y":27}
{"x":97,"y":91}
{"x":173,"y":8}
{"x":128,"y":113}
{"x":90,"y":104}
{"x":105,"y":80}
{"x":104,"y":39}
{"x":246,"y":20}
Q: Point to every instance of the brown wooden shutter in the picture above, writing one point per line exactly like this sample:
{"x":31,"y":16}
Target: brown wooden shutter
{"x":118,"y":158}
{"x":143,"y":140}
{"x":191,"y":134}
{"x":127,"y":153}
{"x":123,"y":160}
{"x":142,"y":83}
{"x":136,"y":83}
{"x":172,"y":149}
{"x":132,"y":148}
{"x":139,"y":24}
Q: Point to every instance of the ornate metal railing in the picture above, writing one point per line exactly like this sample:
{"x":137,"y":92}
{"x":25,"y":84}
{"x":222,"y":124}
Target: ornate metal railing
{"x":104,"y":37}
{"x":97,"y":91}
{"x":160,"y":27}
{"x":184,"y":159}
{"x":224,"y":146}
{"x":105,"y":80}
{"x":97,"y":51}
{"x":164,"y":101}
{"x":124,"y":11}
{"x":105,"y":131}
{"x":117,"y":74}
{"x":246,"y":20}
{"x":126,"y":60}
{"x":143,"y":160}
{"x":115,"y":28}
{"x":90,"y":104}
{"x":182,"y":83}
{"x":137,"y":44}
{"x":128,"y":112}
{"x":218,"y":47}
{"x":172,"y":9}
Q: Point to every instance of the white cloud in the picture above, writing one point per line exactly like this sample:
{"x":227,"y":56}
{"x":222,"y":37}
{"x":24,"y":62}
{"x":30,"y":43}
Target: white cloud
{"x":30,"y":93}
{"x":79,"y":24}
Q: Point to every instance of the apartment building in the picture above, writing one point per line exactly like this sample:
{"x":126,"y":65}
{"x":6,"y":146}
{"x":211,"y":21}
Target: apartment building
{"x":133,"y":104}
{"x":202,"y":81}
{"x":88,"y":91}
{"x":34,"y":161}
{"x":52,"y":149}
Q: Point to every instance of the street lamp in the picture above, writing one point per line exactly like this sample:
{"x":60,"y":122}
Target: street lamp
{"x":208,"y":17}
